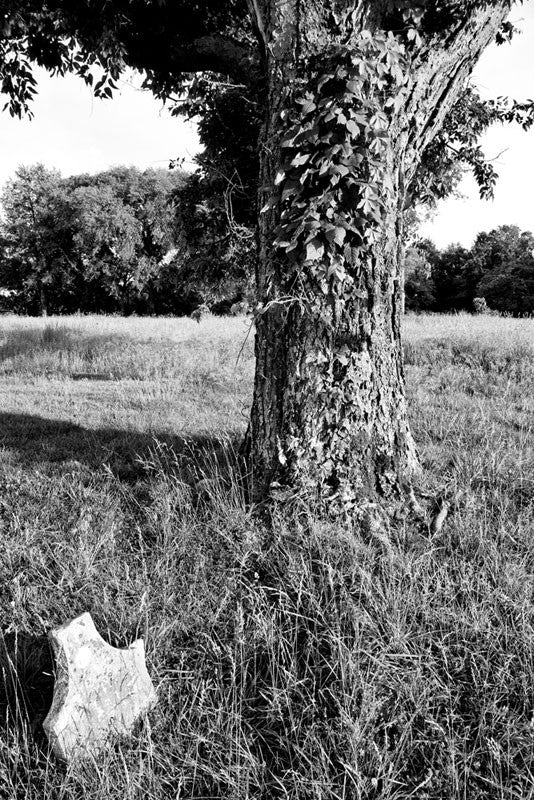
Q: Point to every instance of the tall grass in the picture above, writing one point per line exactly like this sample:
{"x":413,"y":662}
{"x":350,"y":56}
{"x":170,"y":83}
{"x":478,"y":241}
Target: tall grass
{"x":140,"y":348}
{"x":304,"y":660}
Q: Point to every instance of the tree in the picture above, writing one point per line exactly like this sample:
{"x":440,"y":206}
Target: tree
{"x":494,"y":248}
{"x":37,"y":235}
{"x":454,"y":279}
{"x":334,"y":416}
{"x":108,"y":239}
{"x":504,"y":262}
{"x":216,"y":252}
{"x":419,"y":283}
{"x":353,"y":95}
{"x":126,"y":226}
{"x":88,"y":242}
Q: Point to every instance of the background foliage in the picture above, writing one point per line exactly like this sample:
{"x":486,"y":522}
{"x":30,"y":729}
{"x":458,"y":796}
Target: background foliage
{"x":121,"y":241}
{"x":499,"y":267}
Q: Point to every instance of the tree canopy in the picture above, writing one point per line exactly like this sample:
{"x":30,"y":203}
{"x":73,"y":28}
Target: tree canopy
{"x":92,"y":242}
{"x":203,"y":59}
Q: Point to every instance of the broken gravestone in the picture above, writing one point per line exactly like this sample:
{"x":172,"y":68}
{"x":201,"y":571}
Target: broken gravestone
{"x":100,"y":691}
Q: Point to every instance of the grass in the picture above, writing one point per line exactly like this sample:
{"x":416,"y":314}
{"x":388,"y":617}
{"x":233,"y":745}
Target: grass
{"x":298,"y":663}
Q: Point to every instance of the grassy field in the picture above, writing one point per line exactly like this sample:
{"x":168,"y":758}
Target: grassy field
{"x":303,"y":663}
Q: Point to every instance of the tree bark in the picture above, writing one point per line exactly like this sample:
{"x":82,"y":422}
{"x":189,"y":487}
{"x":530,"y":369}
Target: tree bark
{"x":329,"y":417}
{"x":402,"y":284}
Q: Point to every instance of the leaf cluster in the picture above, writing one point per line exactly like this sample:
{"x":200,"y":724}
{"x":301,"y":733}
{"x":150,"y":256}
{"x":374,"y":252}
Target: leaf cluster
{"x":456,"y":147}
{"x":333,"y":180}
{"x":97,"y":40}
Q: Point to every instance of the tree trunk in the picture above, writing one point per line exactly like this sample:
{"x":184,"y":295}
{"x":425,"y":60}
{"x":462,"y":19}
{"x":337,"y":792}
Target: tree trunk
{"x":329,"y":415}
{"x":402,"y":284}
{"x":43,"y":302}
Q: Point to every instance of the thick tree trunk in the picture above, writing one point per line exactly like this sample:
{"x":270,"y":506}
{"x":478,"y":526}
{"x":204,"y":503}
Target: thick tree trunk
{"x":402,"y":284}
{"x":329,"y":411}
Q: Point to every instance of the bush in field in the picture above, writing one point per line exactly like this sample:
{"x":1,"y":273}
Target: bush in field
{"x":480,"y":306}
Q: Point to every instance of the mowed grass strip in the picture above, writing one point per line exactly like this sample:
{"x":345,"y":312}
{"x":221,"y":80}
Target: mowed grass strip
{"x":301,"y":662}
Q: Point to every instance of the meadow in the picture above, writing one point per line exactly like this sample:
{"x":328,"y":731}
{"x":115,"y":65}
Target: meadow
{"x":302,"y":662}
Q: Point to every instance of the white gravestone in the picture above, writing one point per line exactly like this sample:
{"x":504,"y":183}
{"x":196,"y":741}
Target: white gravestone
{"x":100,"y":691}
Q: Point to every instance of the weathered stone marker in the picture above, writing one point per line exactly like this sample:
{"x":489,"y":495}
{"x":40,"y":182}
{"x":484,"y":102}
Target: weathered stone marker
{"x":100,"y":691}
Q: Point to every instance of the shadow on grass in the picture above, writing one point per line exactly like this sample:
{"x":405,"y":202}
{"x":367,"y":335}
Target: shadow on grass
{"x":26,"y":682}
{"x":35,"y":441}
{"x":61,"y":448}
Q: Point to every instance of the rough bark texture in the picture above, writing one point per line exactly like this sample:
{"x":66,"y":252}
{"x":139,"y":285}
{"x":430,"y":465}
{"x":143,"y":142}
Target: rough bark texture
{"x":340,"y":430}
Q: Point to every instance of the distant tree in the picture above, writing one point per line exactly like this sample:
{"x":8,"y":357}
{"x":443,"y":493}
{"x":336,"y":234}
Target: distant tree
{"x":454,"y":286}
{"x":90,"y":242}
{"x":504,"y":258}
{"x":498,"y":268}
{"x":511,"y":289}
{"x":148,"y":195}
{"x":108,"y":242}
{"x":494,"y":248}
{"x":418,"y":281}
{"x":37,"y":237}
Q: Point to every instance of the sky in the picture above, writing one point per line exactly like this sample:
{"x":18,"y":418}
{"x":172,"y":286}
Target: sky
{"x":506,"y":70}
{"x":74,"y":132}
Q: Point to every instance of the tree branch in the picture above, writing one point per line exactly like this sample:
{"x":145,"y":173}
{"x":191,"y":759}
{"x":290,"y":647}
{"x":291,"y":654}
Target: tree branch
{"x":206,"y":54}
{"x":257,"y":21}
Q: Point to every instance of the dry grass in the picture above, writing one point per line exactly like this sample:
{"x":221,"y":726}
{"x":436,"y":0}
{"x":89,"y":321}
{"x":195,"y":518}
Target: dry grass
{"x":300,"y":663}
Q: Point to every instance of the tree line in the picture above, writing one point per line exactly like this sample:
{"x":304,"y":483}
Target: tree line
{"x":498,"y":268}
{"x":121,"y":241}
{"x":164,"y":242}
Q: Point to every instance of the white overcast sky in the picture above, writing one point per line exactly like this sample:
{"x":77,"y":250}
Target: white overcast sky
{"x":76,"y":133}
{"x":506,"y":70}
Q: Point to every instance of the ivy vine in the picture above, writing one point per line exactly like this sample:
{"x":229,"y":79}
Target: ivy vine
{"x":333,"y":179}
{"x":332,"y":187}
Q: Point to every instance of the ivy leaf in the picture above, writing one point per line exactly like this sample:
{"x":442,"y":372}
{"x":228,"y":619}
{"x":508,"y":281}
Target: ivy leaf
{"x":339,"y":235}
{"x":336,"y":271}
{"x":324,"y":79}
{"x":314,"y":250}
{"x":342,"y":359}
{"x":354,"y":86}
{"x":336,"y":234}
{"x":307,"y":106}
{"x":299,"y":160}
{"x":268,"y":206}
{"x":339,"y":169}
{"x":290,"y":188}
